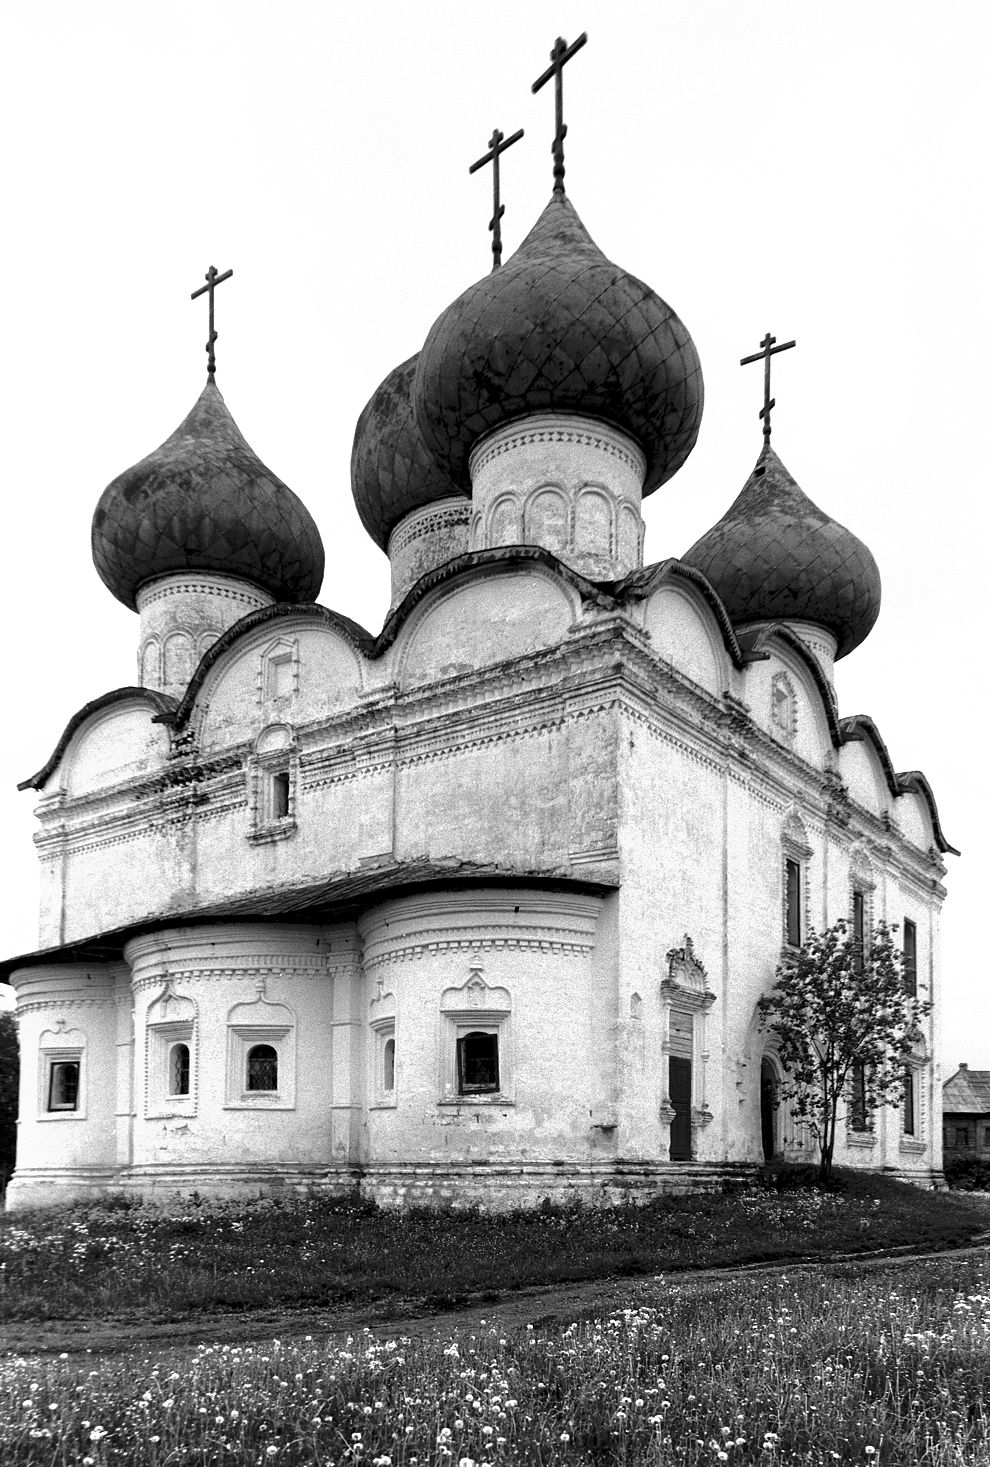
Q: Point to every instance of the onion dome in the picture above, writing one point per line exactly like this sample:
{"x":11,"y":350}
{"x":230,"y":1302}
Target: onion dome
{"x":559,"y":328}
{"x":392,"y":471}
{"x":205,"y":501}
{"x":775,"y":556}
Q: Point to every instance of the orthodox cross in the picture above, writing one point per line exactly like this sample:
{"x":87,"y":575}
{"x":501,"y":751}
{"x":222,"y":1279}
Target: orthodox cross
{"x":212,"y":281}
{"x":497,"y":144}
{"x":559,"y":57}
{"x":768,"y":350}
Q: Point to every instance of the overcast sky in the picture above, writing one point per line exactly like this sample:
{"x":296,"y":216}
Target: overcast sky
{"x":816,"y":170}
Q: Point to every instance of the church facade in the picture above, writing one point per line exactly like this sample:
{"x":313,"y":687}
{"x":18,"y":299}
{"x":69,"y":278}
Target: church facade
{"x":478,"y":909}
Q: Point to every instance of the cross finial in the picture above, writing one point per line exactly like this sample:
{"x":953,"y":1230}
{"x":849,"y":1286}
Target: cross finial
{"x":212,"y":281}
{"x":497,"y":144}
{"x":768,"y":350}
{"x":559,"y":57}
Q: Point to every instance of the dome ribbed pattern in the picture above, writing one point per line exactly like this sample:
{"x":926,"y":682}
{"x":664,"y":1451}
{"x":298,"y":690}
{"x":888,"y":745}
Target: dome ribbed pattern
{"x":205,"y":501}
{"x":560,"y":328}
{"x":774,"y":556}
{"x":392,"y":471}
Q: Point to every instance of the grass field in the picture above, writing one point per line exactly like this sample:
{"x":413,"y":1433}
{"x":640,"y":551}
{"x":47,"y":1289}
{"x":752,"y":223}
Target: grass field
{"x":887,"y":1367}
{"x":128,"y":1260}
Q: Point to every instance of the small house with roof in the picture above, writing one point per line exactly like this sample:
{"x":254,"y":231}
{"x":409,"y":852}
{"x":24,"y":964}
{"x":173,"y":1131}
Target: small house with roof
{"x":478,"y":907}
{"x":966,"y":1113}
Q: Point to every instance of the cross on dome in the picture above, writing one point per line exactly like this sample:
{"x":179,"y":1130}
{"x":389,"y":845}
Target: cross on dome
{"x":768,"y":350}
{"x":559,"y":57}
{"x":498,"y":143}
{"x":212,"y":281}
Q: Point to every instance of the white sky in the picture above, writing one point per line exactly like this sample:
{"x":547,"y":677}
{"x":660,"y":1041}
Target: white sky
{"x":813,"y":169}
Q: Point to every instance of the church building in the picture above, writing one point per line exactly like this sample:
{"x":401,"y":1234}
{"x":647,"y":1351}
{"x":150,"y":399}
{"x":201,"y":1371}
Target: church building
{"x":478,"y":908}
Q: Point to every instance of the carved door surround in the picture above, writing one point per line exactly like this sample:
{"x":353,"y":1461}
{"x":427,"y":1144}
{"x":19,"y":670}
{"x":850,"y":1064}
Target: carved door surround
{"x":685,"y":999}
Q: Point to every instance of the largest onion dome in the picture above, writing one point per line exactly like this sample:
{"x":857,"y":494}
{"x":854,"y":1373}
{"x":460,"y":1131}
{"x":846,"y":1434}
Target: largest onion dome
{"x":392,"y":471}
{"x":559,"y":328}
{"x":204,"y":501}
{"x":775,"y":556}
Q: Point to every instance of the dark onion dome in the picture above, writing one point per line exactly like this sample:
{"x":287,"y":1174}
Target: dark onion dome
{"x":392,"y":471}
{"x":560,"y":328}
{"x":204,"y":501}
{"x":774,"y":556}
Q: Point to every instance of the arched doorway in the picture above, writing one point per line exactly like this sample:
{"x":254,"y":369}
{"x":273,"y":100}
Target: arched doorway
{"x":768,"y":1109}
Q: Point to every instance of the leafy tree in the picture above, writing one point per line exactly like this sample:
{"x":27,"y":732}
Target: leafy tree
{"x":9,"y":1073}
{"x":840,"y":1010}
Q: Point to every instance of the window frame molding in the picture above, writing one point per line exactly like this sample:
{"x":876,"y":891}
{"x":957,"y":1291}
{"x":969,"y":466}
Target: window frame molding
{"x":795,"y":847}
{"x":265,"y":765}
{"x":685,"y":991}
{"x":475,"y":1007}
{"x":171,"y":1018}
{"x":61,"y":1044}
{"x":248,"y":1024}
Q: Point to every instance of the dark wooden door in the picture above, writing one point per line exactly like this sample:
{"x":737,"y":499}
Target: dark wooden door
{"x":680,"y":1099}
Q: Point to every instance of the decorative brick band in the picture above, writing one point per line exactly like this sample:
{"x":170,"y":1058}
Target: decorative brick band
{"x":558,"y":429}
{"x":562,"y":947}
{"x":228,"y":589}
{"x":427,"y":522}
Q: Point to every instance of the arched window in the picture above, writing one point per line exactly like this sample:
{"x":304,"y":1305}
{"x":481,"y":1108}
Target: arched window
{"x":262,"y":1067}
{"x":477,"y":1063}
{"x":178,"y":1070}
{"x":388,"y":1066}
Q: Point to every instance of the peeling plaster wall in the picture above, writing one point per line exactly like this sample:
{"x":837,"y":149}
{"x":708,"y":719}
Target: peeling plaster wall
{"x":568,"y":746}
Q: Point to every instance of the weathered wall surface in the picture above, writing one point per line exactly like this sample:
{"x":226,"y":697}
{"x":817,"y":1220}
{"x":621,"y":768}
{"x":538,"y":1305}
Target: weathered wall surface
{"x":510,"y":727}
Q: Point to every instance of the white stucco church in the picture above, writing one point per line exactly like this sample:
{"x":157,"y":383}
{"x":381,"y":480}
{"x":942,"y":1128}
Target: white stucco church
{"x":477,"y":908}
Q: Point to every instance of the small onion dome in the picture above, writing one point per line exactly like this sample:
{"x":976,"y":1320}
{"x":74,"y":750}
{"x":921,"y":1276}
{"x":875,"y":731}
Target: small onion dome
{"x":392,"y":471}
{"x":205,"y":501}
{"x":774,"y":556}
{"x":560,"y":328}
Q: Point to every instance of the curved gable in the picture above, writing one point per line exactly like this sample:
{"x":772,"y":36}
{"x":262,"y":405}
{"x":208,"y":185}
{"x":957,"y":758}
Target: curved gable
{"x":289,"y":670}
{"x":505,"y":611}
{"x":641,"y":585}
{"x":685,"y":632}
{"x":788,"y":694}
{"x":154,"y":706}
{"x":918,"y":818}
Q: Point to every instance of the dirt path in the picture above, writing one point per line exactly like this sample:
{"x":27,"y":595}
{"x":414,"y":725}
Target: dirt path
{"x":541,"y":1307}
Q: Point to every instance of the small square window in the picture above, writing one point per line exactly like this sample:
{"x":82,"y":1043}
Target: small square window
{"x":962,"y":1135}
{"x":63,"y":1084}
{"x":477,"y":1063}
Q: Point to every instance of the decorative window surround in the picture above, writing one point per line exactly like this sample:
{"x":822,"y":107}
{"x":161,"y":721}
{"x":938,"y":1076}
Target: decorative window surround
{"x":62,"y":1050}
{"x":170,"y":1021}
{"x":914,"y":1137}
{"x":260,"y":1023}
{"x":685,"y":992}
{"x":273,"y":783}
{"x":795,"y":851}
{"x":475,"y":1008}
{"x":381,"y":1024}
